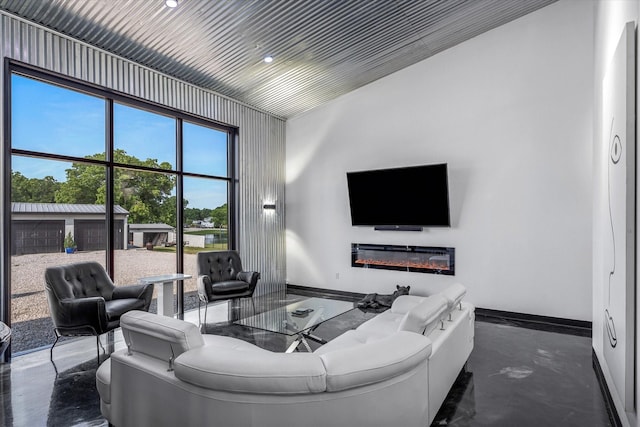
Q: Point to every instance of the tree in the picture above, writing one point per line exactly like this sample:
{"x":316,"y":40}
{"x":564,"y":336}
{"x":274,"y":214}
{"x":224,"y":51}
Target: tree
{"x":168,"y":211}
{"x":146,"y":195}
{"x":142,"y":193}
{"x":33,"y":190}
{"x":84,"y":183}
{"x":220,"y":216}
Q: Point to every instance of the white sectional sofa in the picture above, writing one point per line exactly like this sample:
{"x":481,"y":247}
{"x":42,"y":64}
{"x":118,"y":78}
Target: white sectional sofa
{"x":394,"y":369}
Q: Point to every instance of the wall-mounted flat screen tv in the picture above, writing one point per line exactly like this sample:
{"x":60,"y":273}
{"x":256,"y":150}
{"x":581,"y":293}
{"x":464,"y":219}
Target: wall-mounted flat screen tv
{"x":409,"y":196}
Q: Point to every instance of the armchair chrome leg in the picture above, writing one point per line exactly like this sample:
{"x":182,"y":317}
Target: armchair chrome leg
{"x":104,"y":350}
{"x":74,"y":333}
{"x":253,"y":304}
{"x":54,"y":344}
{"x":201,"y":301}
{"x":110,"y":343}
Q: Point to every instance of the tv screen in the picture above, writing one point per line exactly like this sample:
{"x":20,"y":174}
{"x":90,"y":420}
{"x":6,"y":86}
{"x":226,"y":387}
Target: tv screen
{"x":409,"y":196}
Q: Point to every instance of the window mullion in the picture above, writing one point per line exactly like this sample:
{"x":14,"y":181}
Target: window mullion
{"x":110,"y":175}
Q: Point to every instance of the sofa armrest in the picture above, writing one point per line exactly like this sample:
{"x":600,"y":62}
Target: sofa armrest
{"x":103,"y":381}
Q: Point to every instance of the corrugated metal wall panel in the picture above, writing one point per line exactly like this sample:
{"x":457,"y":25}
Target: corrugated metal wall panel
{"x":261,"y":136}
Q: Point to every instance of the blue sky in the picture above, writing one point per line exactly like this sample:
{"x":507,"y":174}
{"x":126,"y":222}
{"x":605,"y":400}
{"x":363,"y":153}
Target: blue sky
{"x":50,"y":119}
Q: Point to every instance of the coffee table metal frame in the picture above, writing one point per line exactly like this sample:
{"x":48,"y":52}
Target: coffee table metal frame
{"x":282,"y":320}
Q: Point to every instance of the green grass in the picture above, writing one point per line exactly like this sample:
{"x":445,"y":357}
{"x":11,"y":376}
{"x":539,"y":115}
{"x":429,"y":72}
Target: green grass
{"x":205,"y":232}
{"x":192,"y":250}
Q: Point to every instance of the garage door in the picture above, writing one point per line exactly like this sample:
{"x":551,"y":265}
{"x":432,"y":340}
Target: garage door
{"x":36,"y":237}
{"x":90,"y":235}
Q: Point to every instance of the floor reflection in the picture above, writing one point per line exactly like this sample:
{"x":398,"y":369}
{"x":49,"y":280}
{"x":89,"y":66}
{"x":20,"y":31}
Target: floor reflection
{"x":75,"y":387}
{"x":515,"y":375}
{"x":6,"y":414}
{"x":460,"y":403}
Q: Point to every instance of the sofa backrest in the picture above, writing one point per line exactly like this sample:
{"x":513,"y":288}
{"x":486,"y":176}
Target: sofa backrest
{"x":157,"y":336}
{"x":404,"y":303}
{"x":454,"y":294}
{"x":245,"y":368}
{"x":425,"y":317}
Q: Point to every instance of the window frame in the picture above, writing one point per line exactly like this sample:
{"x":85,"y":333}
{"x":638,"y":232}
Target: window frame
{"x":110,"y":96}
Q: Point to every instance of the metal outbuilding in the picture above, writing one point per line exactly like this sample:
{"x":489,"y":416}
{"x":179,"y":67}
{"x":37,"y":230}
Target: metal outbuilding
{"x":42,"y":227}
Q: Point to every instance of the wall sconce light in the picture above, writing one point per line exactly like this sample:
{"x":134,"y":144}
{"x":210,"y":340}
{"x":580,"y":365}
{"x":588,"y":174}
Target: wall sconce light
{"x":269,"y":206}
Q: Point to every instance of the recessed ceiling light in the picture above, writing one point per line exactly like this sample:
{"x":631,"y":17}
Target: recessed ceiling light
{"x":171,"y":3}
{"x":268,"y":59}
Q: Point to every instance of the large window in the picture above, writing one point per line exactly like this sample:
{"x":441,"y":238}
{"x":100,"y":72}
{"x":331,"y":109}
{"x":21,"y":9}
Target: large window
{"x":137,"y":187}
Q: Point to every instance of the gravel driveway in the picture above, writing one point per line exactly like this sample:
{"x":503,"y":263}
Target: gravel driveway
{"x":28,"y":300}
{"x":31,"y":323}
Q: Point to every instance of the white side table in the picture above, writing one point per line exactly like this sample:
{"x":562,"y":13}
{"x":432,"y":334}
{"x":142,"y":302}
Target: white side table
{"x":164,"y":286}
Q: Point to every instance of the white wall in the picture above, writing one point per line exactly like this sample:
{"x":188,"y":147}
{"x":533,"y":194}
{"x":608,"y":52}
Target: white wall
{"x":510,"y":111}
{"x":610,"y":18}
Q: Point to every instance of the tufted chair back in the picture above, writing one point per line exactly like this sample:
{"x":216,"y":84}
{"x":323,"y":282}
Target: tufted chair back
{"x":220,"y":277}
{"x":220,"y":266}
{"x":80,"y":280}
{"x":84,"y":301}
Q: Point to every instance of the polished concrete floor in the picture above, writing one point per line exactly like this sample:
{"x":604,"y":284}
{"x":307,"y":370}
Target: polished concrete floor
{"x":516,"y":376}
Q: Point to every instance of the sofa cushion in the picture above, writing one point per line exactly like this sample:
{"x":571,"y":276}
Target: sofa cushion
{"x":375,"y":361}
{"x":103,"y":381}
{"x":227,"y":342}
{"x":424,"y":317}
{"x":385,"y":323}
{"x":245,"y":368}
{"x":349,"y":339}
{"x":161,"y":337}
{"x":229,"y":287}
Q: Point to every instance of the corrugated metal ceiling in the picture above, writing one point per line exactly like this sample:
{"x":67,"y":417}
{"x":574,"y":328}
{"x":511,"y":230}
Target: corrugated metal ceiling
{"x":322,"y":49}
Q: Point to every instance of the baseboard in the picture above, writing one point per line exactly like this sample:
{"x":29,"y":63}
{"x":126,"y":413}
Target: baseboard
{"x":608,"y":400}
{"x":320,"y":292}
{"x":532,"y":321}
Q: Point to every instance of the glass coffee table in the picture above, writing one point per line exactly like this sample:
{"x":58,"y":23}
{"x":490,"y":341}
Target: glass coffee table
{"x":298,"y":319}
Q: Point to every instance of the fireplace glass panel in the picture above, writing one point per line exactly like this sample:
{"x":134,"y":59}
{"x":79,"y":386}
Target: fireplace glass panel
{"x":419,"y":259}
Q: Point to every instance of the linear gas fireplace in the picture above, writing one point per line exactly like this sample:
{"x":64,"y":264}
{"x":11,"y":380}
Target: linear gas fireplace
{"x":418,"y":259}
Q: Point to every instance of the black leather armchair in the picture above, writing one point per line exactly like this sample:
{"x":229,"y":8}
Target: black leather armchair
{"x":5,"y":339}
{"x":221,"y":277}
{"x":84,"y":301}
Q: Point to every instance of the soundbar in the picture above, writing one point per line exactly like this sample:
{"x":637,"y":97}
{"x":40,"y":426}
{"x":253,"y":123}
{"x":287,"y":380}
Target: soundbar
{"x":397,"y":228}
